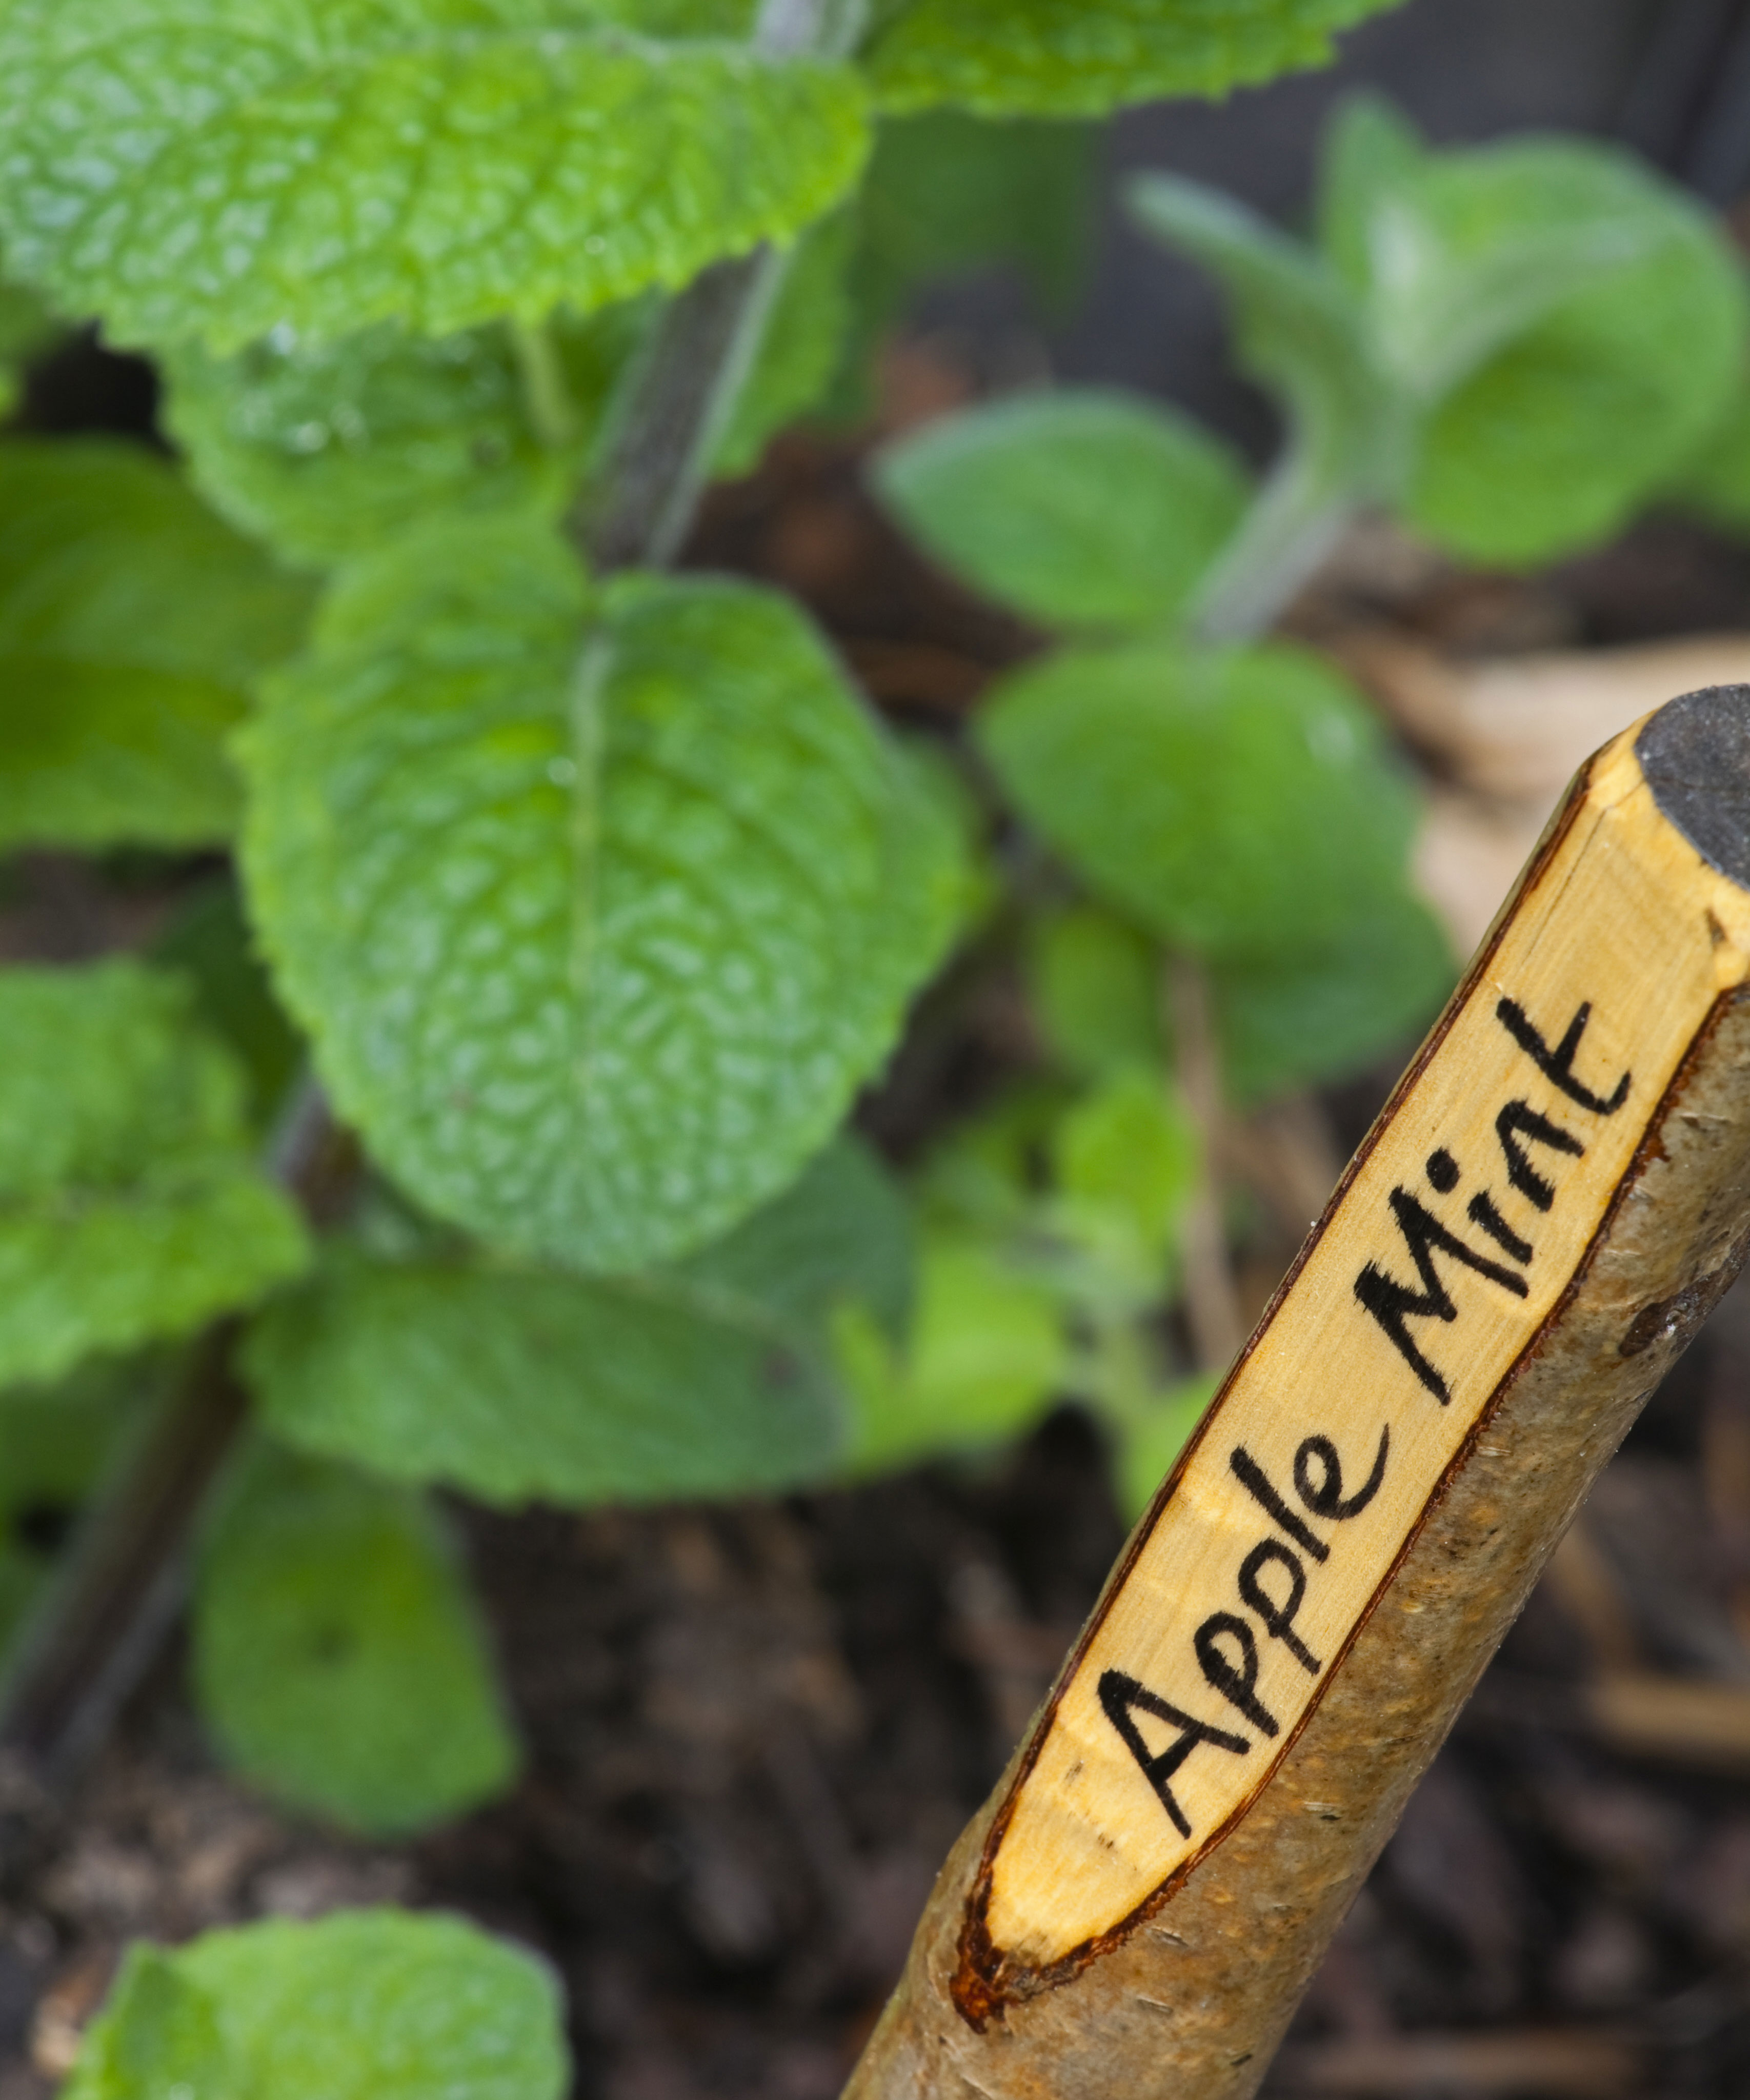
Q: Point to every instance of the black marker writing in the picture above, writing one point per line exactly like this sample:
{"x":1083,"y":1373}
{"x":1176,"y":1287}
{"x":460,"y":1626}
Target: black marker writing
{"x":1520,"y":1119}
{"x":1394,"y":1304}
{"x":1481,"y":1211}
{"x":1234,"y":1681}
{"x":1119,"y":1695}
{"x":1278,"y":1617}
{"x":1255,"y":1483}
{"x":1557,"y":1065}
{"x":1324,"y":1497}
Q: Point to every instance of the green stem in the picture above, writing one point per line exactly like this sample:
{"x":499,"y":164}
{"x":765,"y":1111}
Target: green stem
{"x":678,"y":401}
{"x":1294,"y":524}
{"x":552,"y":413}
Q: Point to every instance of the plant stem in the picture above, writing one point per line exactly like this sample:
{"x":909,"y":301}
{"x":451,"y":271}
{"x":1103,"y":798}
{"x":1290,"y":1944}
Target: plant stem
{"x":679,"y":402}
{"x":683,"y":389}
{"x":122,"y":1586}
{"x":118,"y":1592}
{"x":552,"y":413}
{"x":1293,"y":525}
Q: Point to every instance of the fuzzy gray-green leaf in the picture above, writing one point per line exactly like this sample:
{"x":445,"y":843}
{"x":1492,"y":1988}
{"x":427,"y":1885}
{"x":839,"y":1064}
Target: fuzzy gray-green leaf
{"x":596,"y":939}
{"x":1239,"y":804}
{"x":1081,"y":510}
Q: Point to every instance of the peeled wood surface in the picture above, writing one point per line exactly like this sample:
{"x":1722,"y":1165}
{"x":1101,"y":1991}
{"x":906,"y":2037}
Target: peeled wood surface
{"x":1080,"y":1942}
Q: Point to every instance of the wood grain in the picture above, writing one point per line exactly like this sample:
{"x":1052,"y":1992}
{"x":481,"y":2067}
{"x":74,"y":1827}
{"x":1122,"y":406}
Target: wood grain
{"x":1552,"y":1197}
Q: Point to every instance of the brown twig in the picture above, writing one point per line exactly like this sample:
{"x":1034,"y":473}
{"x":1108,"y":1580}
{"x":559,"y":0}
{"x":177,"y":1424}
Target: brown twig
{"x":1299,"y":1617}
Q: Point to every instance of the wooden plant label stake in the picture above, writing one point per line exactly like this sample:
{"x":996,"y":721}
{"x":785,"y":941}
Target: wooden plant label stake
{"x":1557,"y":1192}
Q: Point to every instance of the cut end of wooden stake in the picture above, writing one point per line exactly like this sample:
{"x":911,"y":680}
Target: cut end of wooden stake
{"x":1695,"y":756}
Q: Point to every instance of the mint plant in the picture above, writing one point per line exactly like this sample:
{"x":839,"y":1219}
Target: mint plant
{"x":585,"y":898}
{"x":369,"y":2004}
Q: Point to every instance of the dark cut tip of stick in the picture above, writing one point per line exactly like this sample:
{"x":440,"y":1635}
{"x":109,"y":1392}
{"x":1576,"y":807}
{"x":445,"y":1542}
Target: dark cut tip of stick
{"x":1695,"y":754}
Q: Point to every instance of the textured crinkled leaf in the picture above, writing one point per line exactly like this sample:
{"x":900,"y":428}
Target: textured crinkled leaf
{"x":338,"y":1656}
{"x":157,"y":2038}
{"x":596,"y":958}
{"x":131,"y":623}
{"x":361,"y":2004}
{"x":983,"y":1359}
{"x":1080,"y":508}
{"x":1083,"y":57}
{"x":225,"y":167}
{"x":326,"y":450}
{"x":130,"y":1205}
{"x":1324,"y":1011}
{"x":1240,"y":803}
{"x":1557,"y":439}
{"x":710,"y":1379}
{"x":1094,"y":992}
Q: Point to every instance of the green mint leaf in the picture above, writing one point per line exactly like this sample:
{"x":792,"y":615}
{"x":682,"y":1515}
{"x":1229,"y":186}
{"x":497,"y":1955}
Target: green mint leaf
{"x":1073,"y":58}
{"x":1094,"y":991}
{"x":681,"y":18}
{"x":1714,"y":479}
{"x":711,"y":1378}
{"x":1561,"y":435}
{"x":26,"y":326}
{"x":1370,"y":153}
{"x":338,"y":1656}
{"x":157,"y":2038}
{"x":1125,"y":1160}
{"x":946,"y":190}
{"x":1324,"y":1011}
{"x":803,"y":346}
{"x":1240,"y":804}
{"x":131,"y":623}
{"x":840,"y":1230}
{"x":1302,"y":333}
{"x":1450,"y":272}
{"x":984,"y":1358}
{"x":208,"y":940}
{"x":1079,"y":508}
{"x":362,"y":2004}
{"x":130,"y":1205}
{"x":223,"y":168}
{"x":595,"y":941}
{"x":328,"y":450}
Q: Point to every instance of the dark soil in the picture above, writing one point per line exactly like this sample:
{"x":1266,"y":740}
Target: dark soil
{"x":754,"y":1731}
